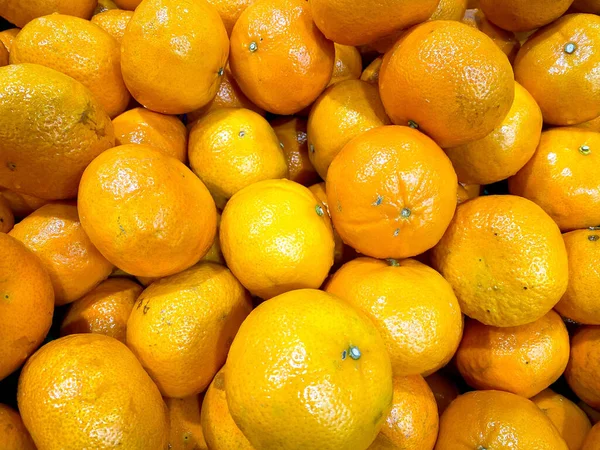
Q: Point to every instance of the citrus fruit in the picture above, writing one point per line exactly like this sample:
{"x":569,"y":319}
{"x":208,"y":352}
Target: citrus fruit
{"x":26,"y":304}
{"x":413,"y":421}
{"x":570,"y":421}
{"x":505,"y":40}
{"x":444,"y":390}
{"x":185,"y":430}
{"x":131,"y":201}
{"x":297,"y":358}
{"x":103,"y":310}
{"x":524,"y":360}
{"x":504,"y":151}
{"x":231,"y":148}
{"x":454,"y":97}
{"x":582,"y":371}
{"x":592,"y":441}
{"x":466,"y":192}
{"x":516,"y":15}
{"x":7,"y":218}
{"x":44,"y":150}
{"x":505,"y":259}
{"x":579,"y":302}
{"x":412,"y":306}
{"x":114,"y":22}
{"x":562,"y":177}
{"x":449,"y":10}
{"x":291,"y":132}
{"x":570,"y":95}
{"x":276,"y":237}
{"x":21,"y":204}
{"x":357,"y":23}
{"x":90,"y":390}
{"x":377,"y":204}
{"x":587,"y":6}
{"x":371,"y":72}
{"x":12,"y":431}
{"x":166,"y":134}
{"x":230,"y":11}
{"x":274,"y":45}
{"x":20,"y":13}
{"x":496,"y":419}
{"x":79,"y":49}
{"x":182,"y":326}
{"x":128,"y":4}
{"x":347,"y":65}
{"x":8,"y":36}
{"x":54,"y":233}
{"x":190,"y":41}
{"x":220,"y":430}
{"x":341,"y":113}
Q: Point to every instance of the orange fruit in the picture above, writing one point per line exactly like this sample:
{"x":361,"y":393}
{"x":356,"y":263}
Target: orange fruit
{"x":505,"y":259}
{"x":54,"y":233}
{"x":229,"y":95}
{"x":466,"y":192}
{"x":90,"y":390}
{"x":104,"y":5}
{"x":230,"y":11}
{"x":291,"y":132}
{"x":220,"y":430}
{"x":185,"y":430}
{"x":592,"y":441}
{"x":562,"y":177}
{"x":444,"y":390}
{"x":570,"y":421}
{"x":276,"y":237}
{"x":79,"y":49}
{"x":114,"y":22}
{"x":504,"y":151}
{"x":371,"y":72}
{"x":587,"y":6}
{"x":275,"y":45}
{"x":579,"y":302}
{"x":166,"y":134}
{"x":449,"y":10}
{"x":104,"y":310}
{"x":25,"y":292}
{"x":7,"y":218}
{"x":8,"y":36}
{"x":570,"y":43}
{"x":131,"y":201}
{"x":496,"y":419}
{"x":421,"y":86}
{"x":582,"y":371}
{"x":413,"y":421}
{"x":357,"y":23}
{"x":3,"y":56}
{"x":516,"y":15}
{"x":182,"y":326}
{"x":20,"y":13}
{"x":305,"y":354}
{"x":21,"y":204}
{"x":347,"y":65}
{"x":505,"y":40}
{"x":341,"y":113}
{"x":13,"y":433}
{"x":412,"y":306}
{"x":43,"y":151}
{"x":174,"y":65}
{"x":591,"y":125}
{"x":128,"y":4}
{"x":524,"y":360}
{"x":230,"y":149}
{"x":591,"y":413}
{"x":377,"y":204}
{"x":341,"y":252}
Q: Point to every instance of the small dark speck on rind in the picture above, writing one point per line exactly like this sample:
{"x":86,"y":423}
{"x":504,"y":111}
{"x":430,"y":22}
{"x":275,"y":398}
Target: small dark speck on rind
{"x":524,"y":288}
{"x":487,"y":310}
{"x":11,"y":166}
{"x":593,"y":237}
{"x":397,"y":232}
{"x":378,"y":201}
{"x":495,"y":234}
{"x":378,"y":417}
{"x":146,"y":308}
{"x":1,"y":220}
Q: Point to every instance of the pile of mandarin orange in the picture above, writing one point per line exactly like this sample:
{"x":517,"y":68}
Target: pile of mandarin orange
{"x":300,"y":224}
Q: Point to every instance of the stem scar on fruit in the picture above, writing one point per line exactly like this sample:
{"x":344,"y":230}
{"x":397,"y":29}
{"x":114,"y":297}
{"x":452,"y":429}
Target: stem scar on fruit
{"x":405,"y":213}
{"x":253,"y":46}
{"x":378,"y":201}
{"x":585,"y":150}
{"x":570,"y":47}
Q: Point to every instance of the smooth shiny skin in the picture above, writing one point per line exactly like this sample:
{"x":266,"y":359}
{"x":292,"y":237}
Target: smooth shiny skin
{"x":562,"y":177}
{"x":131,"y":202}
{"x":279,"y":58}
